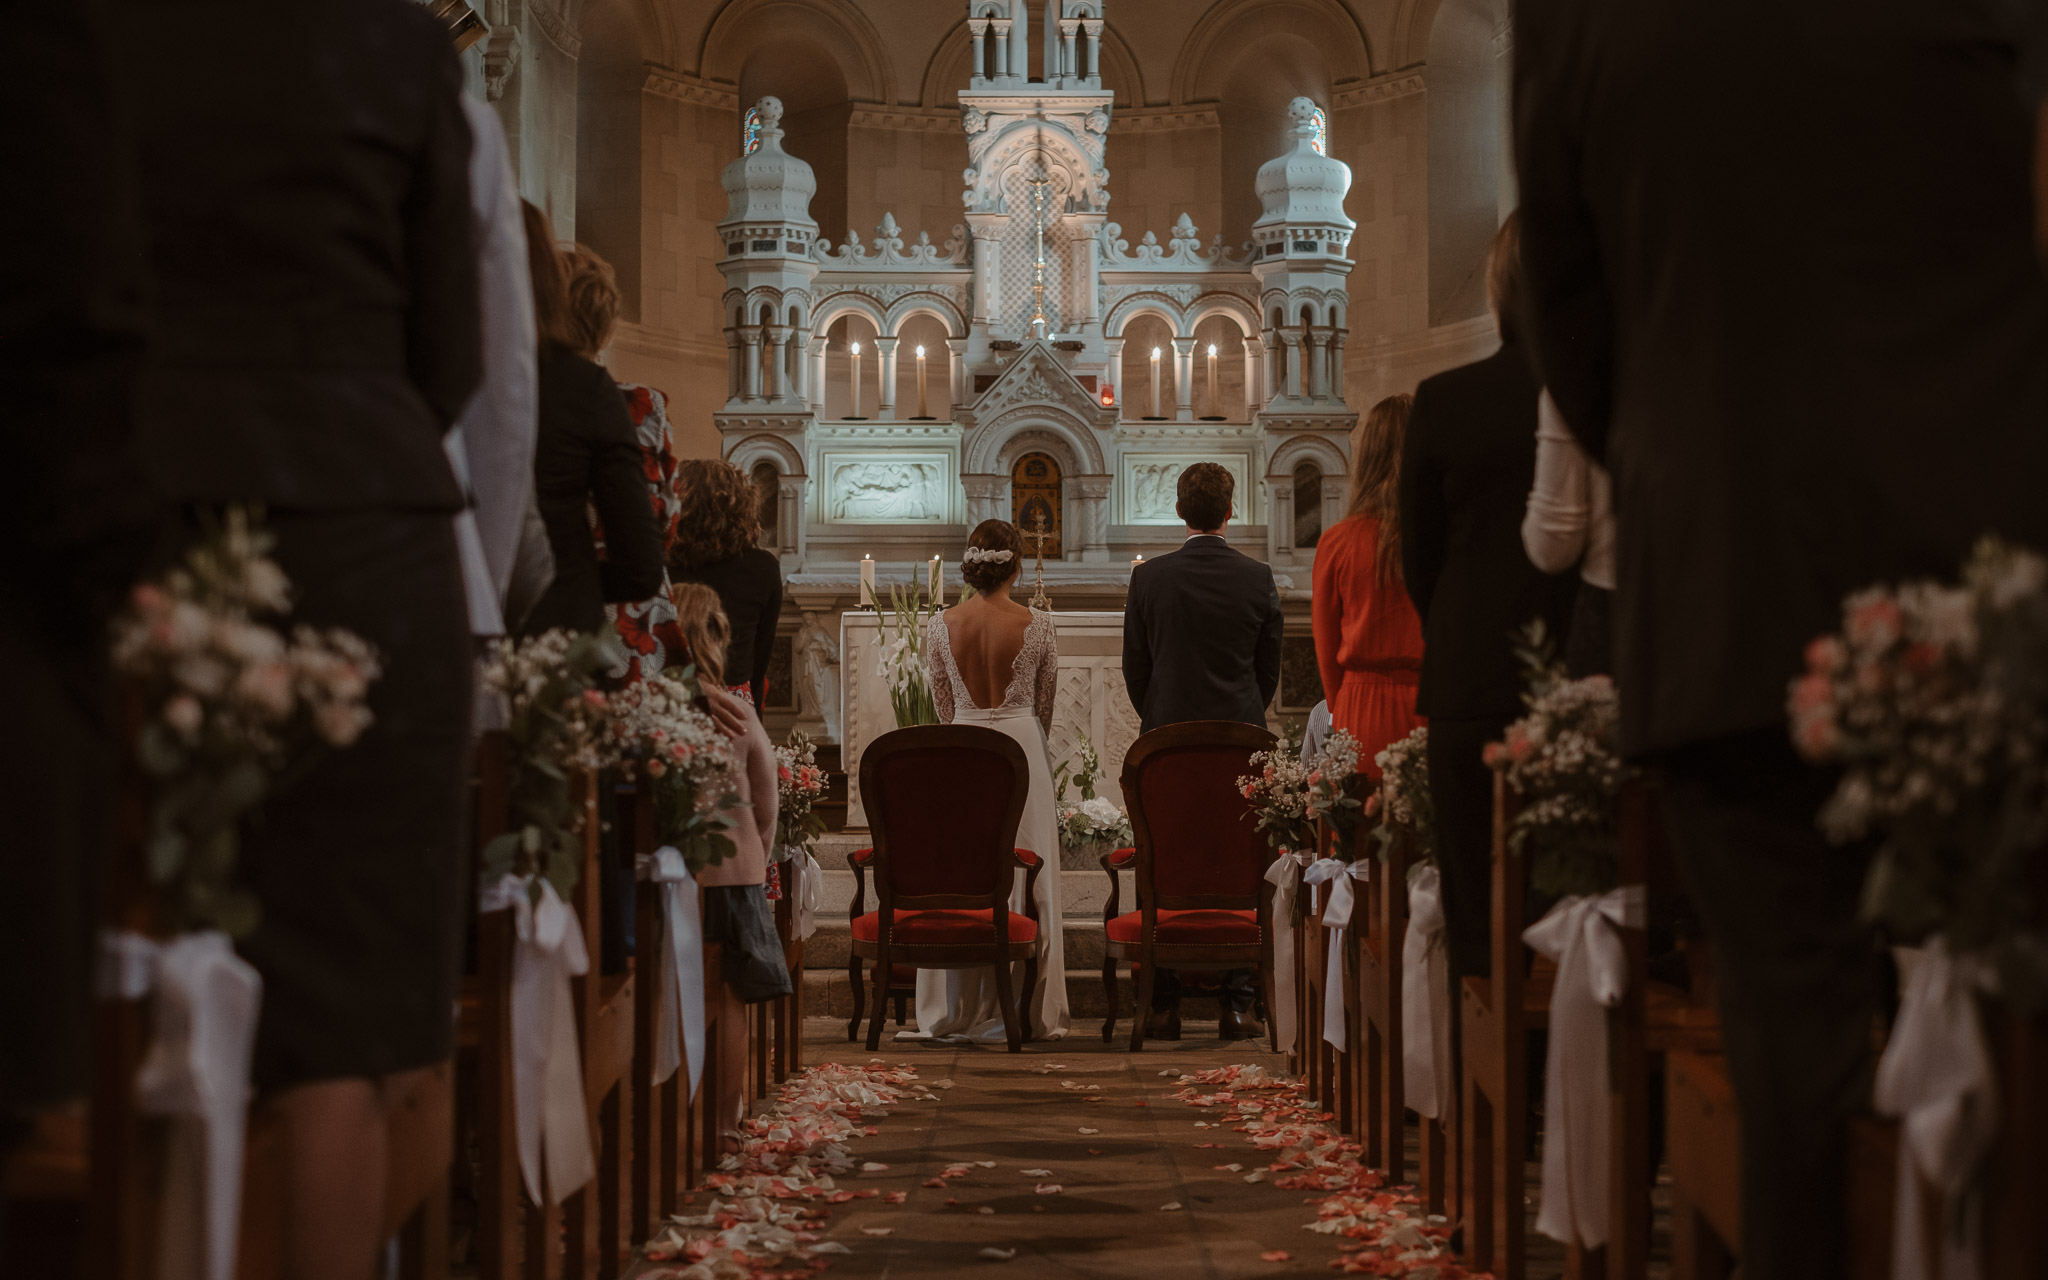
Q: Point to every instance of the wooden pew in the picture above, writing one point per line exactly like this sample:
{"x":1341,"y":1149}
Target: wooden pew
{"x":1380,"y":940}
{"x":1703,"y":1150}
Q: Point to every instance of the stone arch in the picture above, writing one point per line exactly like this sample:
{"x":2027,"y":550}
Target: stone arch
{"x":743,"y":26}
{"x":1144,"y":304}
{"x":1241,"y":313}
{"x":763,"y":305}
{"x":994,"y":447}
{"x":835,"y":305}
{"x":1222,"y":32}
{"x":946,"y":72}
{"x":1296,"y":450}
{"x":734,"y":303}
{"x":749,"y":451}
{"x":1471,"y":179}
{"x":934,"y":305}
{"x":1120,"y":71}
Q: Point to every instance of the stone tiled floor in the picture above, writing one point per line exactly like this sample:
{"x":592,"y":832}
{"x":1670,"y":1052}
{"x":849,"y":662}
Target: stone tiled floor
{"x":1107,"y":1220}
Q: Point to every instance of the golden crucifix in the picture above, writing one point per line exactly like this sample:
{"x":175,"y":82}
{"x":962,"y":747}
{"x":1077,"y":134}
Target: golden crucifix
{"x":1038,"y":537}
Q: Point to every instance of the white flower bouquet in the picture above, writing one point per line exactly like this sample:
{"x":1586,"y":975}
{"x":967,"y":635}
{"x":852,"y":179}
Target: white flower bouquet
{"x":1335,"y":787}
{"x":1933,"y":701}
{"x":800,"y":785}
{"x":1278,"y":791}
{"x":1564,"y":758}
{"x":1402,"y":803}
{"x":556,"y":725}
{"x":229,"y":704}
{"x":902,"y":657}
{"x":656,"y":730}
{"x":1091,"y":818}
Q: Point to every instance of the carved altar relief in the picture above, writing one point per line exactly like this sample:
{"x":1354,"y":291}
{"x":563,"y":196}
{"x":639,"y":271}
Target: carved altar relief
{"x":888,"y":488}
{"x":1151,"y":484}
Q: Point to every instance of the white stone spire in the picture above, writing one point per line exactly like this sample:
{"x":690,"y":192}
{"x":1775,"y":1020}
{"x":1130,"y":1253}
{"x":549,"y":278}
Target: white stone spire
{"x":1301,"y":187}
{"x":767,"y":190}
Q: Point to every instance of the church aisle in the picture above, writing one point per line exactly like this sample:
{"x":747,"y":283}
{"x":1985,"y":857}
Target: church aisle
{"x":1090,"y":1145}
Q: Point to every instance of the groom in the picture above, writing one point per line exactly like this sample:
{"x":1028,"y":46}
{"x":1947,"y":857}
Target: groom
{"x":1202,"y":642}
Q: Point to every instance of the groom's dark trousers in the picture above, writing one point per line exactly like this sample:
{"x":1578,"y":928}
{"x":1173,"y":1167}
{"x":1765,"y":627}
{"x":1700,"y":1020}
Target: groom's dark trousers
{"x":1202,"y":642}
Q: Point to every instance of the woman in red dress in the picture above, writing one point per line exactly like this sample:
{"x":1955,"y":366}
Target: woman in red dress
{"x":1368,"y":637}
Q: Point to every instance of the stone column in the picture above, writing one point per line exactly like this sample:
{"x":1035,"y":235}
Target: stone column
{"x":735,"y":372}
{"x":988,"y":498}
{"x":1069,"y":68}
{"x":1291,"y":358}
{"x":956,"y":372}
{"x":1254,"y":357}
{"x":1184,"y":379}
{"x":750,"y":361}
{"x":1094,"y":30}
{"x":1336,"y":368}
{"x":1083,"y":262}
{"x":818,"y":347}
{"x":800,"y":364}
{"x":978,"y":28}
{"x":885,"y":368}
{"x":1318,"y":362}
{"x":1272,"y":366}
{"x":789,"y":511}
{"x":1280,"y":519}
{"x":1093,"y":494}
{"x":778,"y":361}
{"x":1002,"y":26}
{"x":1114,"y":372}
{"x":1336,"y":494}
{"x":985,"y":231}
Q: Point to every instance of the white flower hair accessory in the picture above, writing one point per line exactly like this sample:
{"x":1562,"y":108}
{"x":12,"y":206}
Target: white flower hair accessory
{"x":974,"y":555}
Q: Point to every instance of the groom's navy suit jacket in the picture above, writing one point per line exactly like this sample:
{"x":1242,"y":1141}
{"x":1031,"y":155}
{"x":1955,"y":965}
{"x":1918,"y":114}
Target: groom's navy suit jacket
{"x":1202,"y":636}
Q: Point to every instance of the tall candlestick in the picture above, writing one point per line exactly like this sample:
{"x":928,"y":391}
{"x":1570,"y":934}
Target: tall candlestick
{"x":1155,"y":382}
{"x":922,"y":411}
{"x":937,"y":581}
{"x":1215,"y":405}
{"x":867,"y":582}
{"x":855,"y":348}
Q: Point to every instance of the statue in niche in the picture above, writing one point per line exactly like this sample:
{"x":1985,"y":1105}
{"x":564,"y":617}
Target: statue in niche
{"x":817,"y":690}
{"x":886,"y":491}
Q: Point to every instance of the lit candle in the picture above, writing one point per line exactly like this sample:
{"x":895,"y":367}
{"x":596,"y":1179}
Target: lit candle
{"x":1155,"y":382}
{"x":1215,"y":405}
{"x":867,"y":582}
{"x":922,"y":412}
{"x":937,"y":581}
{"x":855,"y":348}
{"x":1137,"y":560}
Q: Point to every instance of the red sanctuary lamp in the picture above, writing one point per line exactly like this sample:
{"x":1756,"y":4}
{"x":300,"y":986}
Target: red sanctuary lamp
{"x":1108,"y":396}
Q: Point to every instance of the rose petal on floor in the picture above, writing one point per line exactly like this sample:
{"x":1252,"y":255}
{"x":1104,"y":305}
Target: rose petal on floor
{"x":1274,"y":1255}
{"x":994,"y":1254}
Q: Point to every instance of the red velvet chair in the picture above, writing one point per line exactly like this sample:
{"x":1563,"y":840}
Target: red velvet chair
{"x":944,"y":802}
{"x":902,"y":978}
{"x":1203,"y":900}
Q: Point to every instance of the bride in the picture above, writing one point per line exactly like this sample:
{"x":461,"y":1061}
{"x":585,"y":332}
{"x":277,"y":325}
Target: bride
{"x":993,"y":663}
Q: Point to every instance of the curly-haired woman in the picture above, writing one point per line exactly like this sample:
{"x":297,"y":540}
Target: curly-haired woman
{"x":714,"y":545}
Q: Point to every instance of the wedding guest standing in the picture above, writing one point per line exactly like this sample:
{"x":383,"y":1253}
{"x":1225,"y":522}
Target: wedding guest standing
{"x":1202,"y":642}
{"x":715,"y":545}
{"x":1368,"y":638}
{"x":646,"y":627}
{"x":736,"y":910}
{"x":310,"y":229}
{"x":588,"y":456}
{"x":1881,"y":410}
{"x":77,"y":517}
{"x":1465,"y":475}
{"x":1570,"y":524}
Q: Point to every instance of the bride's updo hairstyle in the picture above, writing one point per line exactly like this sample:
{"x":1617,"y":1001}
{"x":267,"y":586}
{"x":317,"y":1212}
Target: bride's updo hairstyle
{"x":995,"y":552}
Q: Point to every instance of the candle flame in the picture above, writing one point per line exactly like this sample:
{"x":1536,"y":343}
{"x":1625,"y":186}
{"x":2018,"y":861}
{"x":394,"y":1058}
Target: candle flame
{"x":1155,"y":353}
{"x":1212,"y":348}
{"x":855,"y":348}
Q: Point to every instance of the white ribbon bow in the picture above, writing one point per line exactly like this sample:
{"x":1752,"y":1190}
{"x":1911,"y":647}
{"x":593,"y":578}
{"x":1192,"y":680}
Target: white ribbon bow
{"x":547,"y":1065}
{"x":808,"y":893}
{"x":682,"y":967}
{"x":203,"y":1005}
{"x":1425,"y":999}
{"x":1936,"y":1076}
{"x":1285,"y":876}
{"x":1592,"y":972}
{"x":1336,"y":919}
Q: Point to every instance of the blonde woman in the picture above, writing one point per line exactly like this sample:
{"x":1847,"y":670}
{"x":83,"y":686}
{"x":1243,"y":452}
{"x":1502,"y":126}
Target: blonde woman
{"x":1368,"y":635}
{"x":736,"y":908}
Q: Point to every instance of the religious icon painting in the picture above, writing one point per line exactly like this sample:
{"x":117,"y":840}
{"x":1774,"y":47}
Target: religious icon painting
{"x":1035,"y":485}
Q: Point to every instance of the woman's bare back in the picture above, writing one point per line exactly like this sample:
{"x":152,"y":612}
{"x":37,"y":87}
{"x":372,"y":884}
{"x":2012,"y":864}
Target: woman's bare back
{"x":986,"y":636}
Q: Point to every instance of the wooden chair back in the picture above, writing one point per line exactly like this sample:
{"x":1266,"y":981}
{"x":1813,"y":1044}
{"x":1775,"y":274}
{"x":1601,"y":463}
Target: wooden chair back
{"x":944,"y":803}
{"x":1180,"y":784}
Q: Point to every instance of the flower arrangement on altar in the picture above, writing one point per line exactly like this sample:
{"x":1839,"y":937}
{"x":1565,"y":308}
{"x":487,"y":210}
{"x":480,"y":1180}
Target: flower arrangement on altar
{"x":902,"y":656}
{"x":1933,"y":700}
{"x":1091,"y":819}
{"x":655,"y":728}
{"x":1564,"y":758}
{"x":230,"y":705}
{"x":555,"y":725}
{"x":799,"y":785}
{"x":1277,"y":788}
{"x":1403,"y":803}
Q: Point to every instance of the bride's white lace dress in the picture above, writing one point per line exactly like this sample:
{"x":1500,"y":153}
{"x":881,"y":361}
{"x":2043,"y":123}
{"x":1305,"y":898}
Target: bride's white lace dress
{"x":960,"y":1004}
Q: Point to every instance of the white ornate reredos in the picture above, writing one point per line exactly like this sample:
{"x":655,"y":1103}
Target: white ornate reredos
{"x":1035,"y":291}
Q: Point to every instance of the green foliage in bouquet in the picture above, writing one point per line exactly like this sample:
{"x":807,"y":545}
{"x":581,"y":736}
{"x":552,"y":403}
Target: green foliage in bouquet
{"x":1278,"y":791}
{"x":554,"y":725}
{"x":659,"y":732}
{"x":1933,"y":701}
{"x":1403,"y":803}
{"x":1338,"y":793}
{"x":799,"y":784}
{"x":232,"y":711}
{"x":1564,"y":758}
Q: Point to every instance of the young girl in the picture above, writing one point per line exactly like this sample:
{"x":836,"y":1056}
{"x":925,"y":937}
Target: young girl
{"x":736,"y":910}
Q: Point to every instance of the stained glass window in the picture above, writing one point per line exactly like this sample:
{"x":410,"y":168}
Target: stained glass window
{"x":750,"y":132}
{"x":1320,"y":138}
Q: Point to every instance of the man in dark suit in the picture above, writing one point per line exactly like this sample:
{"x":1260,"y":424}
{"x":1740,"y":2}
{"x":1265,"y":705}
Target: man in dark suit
{"x":1806,"y":375}
{"x":1202,"y":642}
{"x":1466,"y":471}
